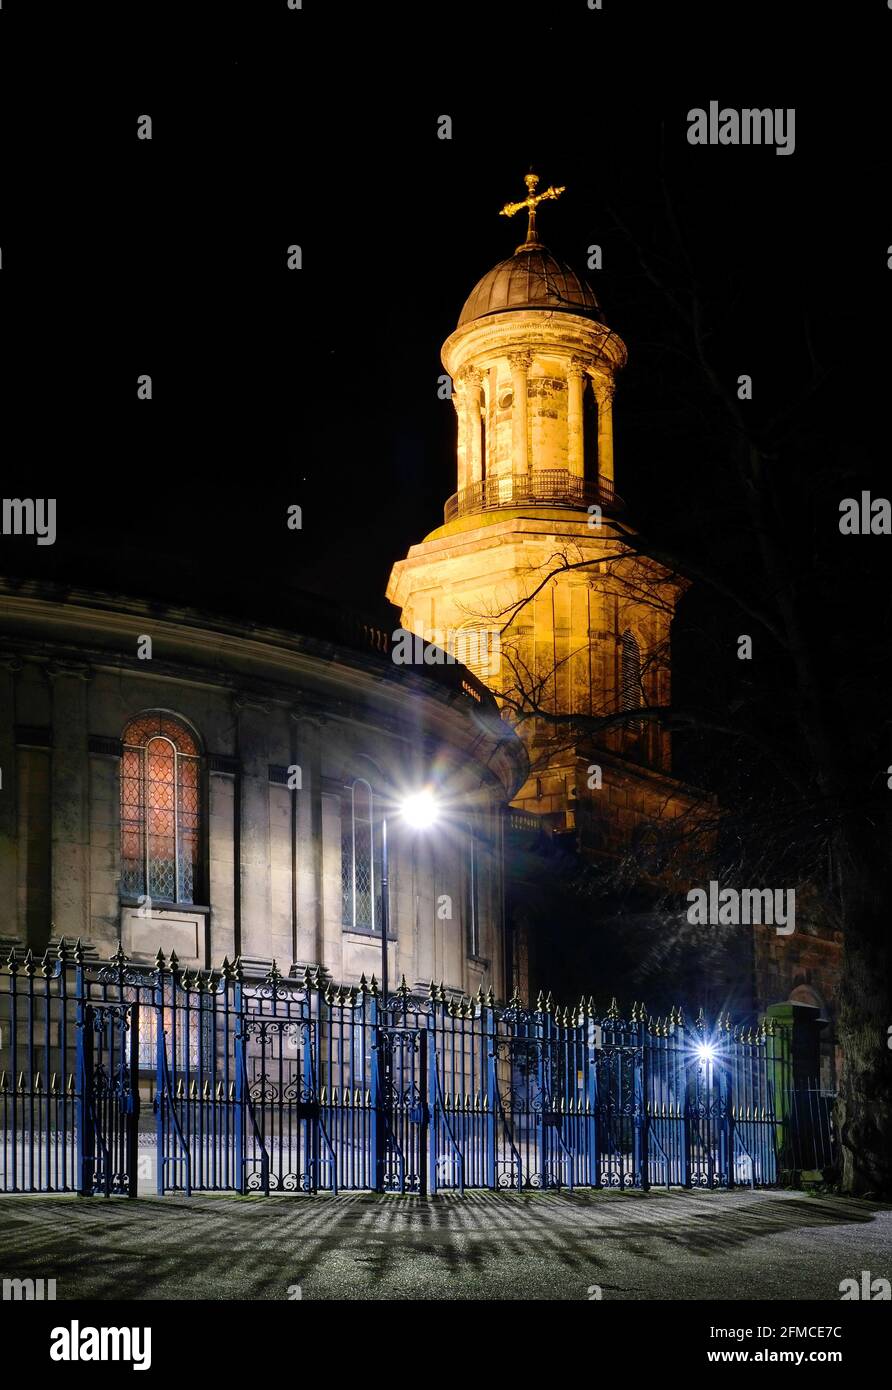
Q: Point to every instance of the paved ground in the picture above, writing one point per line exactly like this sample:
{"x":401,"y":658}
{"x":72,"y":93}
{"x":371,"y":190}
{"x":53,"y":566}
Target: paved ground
{"x":674,"y":1245}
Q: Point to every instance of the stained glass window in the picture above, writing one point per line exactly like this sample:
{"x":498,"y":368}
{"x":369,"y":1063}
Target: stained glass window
{"x":360,"y":859}
{"x":160,"y":809}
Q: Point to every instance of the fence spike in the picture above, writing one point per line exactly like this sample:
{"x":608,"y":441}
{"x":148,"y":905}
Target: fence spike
{"x":218,"y":1093}
{"x":613,"y":1011}
{"x":432,"y":992}
{"x":514,"y":1002}
{"x":78,"y":952}
{"x":4,"y":1087}
{"x":274,"y":974}
{"x":368,"y":1100}
{"x":441,"y":993}
{"x":373,"y":988}
{"x":62,"y":948}
{"x":323,"y":1096}
{"x":486,"y":1104}
{"x":70,"y":1086}
{"x":329,"y":994}
{"x":28,"y":964}
{"x":357,"y":1098}
{"x":21,"y":1085}
{"x":540,"y":1002}
{"x":12,"y":961}
{"x":206,"y":1090}
{"x":232,"y":1090}
{"x":480,"y":997}
{"x":193,"y":1089}
{"x":119,"y":959}
{"x":335,"y":1097}
{"x":403,"y":990}
{"x":700,"y":1022}
{"x":54,"y":1084}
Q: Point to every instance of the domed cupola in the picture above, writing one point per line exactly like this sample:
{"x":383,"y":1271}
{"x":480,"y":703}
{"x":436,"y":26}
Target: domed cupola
{"x":532,"y":363}
{"x":532,"y":278}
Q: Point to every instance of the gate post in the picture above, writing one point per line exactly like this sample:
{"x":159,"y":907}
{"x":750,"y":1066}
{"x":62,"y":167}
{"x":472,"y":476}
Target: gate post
{"x":591,"y":1098}
{"x":378,"y":1069}
{"x":726,"y":1141}
{"x":86,"y":1138}
{"x":490,"y":1043}
{"x":642,"y":1119}
{"x":543,"y":1044}
{"x":241,"y":1072}
{"x":432,"y":1129}
{"x":160,"y":1093}
{"x":133,"y":1104}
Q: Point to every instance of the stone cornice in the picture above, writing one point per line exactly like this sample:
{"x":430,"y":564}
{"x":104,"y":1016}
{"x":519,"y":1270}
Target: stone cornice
{"x":335,"y":682}
{"x":536,"y":331}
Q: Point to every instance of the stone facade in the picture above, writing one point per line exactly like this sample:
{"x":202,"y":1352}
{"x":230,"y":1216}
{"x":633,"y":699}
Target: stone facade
{"x":327,"y":711}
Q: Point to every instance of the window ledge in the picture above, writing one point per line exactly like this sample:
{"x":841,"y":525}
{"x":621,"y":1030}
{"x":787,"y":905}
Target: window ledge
{"x":160,"y":905}
{"x":367,"y":935}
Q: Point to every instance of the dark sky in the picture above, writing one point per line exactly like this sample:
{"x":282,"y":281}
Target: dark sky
{"x":320,"y":387}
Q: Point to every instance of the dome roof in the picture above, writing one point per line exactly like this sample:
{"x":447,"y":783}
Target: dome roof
{"x":531,"y":279}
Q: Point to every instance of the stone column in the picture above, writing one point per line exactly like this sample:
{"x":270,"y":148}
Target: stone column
{"x":9,"y":666}
{"x":604,"y":388}
{"x":254,"y":834}
{"x":520,"y":365}
{"x":474,"y":451}
{"x":459,"y":393}
{"x":575,"y":442}
{"x":70,"y":836}
{"x":310,"y":918}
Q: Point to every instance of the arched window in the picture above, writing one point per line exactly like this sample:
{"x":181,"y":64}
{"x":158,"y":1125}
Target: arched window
{"x":630,"y":678}
{"x":360,"y":859}
{"x":160,"y":809}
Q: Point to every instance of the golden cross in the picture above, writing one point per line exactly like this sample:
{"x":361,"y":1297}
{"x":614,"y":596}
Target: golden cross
{"x":531,"y":202}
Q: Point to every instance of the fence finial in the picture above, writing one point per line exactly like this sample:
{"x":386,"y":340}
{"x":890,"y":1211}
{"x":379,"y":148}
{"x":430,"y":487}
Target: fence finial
{"x":118,"y":959}
{"x":274,"y":974}
{"x":613,"y":1011}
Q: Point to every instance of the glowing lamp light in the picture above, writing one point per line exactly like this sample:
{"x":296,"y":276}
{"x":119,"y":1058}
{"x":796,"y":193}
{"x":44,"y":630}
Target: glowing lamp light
{"x":419,"y":810}
{"x":706,"y":1052}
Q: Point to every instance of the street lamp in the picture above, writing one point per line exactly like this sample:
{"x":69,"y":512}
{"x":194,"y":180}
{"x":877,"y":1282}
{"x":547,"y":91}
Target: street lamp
{"x":420,"y":811}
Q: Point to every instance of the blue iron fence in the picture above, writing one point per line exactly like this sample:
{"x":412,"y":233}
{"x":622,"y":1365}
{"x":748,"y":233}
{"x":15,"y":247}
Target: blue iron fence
{"x":299,"y":1085}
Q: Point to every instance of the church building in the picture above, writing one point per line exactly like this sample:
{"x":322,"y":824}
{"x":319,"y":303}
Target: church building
{"x":537,"y":559}
{"x":179,"y":780}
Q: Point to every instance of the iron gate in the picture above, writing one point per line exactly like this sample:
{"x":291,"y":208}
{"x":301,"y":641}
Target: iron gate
{"x":296,"y":1085}
{"x":108,"y":1037}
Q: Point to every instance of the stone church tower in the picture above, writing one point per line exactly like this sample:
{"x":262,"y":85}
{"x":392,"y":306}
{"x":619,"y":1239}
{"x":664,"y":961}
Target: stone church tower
{"x":529,"y":581}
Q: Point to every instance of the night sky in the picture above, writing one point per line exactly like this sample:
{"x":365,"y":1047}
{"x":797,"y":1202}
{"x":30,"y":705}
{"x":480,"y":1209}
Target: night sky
{"x":319,"y":387}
